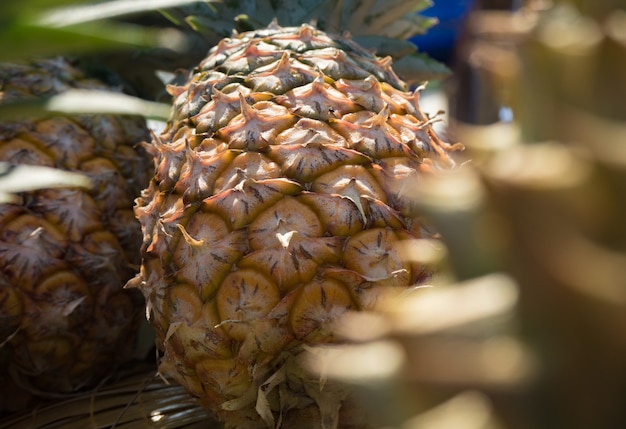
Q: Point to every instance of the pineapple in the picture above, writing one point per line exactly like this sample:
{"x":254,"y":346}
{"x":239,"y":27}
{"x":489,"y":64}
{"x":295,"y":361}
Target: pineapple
{"x":66,"y":253}
{"x":279,"y":204}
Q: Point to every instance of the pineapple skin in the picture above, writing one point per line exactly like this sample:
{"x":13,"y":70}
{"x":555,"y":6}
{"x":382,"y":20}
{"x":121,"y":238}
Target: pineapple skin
{"x":279,"y":203}
{"x":66,"y":253}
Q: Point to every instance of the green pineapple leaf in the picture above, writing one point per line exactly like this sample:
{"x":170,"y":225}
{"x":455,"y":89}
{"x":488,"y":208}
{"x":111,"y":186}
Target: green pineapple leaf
{"x":384,"y":46}
{"x":357,"y":17}
{"x":380,"y":25}
{"x":387,"y":14}
{"x":419,"y":67}
{"x":409,"y":26}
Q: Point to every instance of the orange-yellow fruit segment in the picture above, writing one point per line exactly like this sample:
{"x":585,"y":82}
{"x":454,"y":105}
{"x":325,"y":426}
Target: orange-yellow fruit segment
{"x":318,"y":305}
{"x":243,"y":297}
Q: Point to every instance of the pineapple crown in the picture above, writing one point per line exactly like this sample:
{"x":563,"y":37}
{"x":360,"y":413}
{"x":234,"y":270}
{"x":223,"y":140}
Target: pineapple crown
{"x":382,"y":26}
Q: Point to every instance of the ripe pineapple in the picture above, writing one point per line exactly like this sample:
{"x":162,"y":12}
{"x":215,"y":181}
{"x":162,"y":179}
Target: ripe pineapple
{"x":66,"y":253}
{"x":279,"y":204}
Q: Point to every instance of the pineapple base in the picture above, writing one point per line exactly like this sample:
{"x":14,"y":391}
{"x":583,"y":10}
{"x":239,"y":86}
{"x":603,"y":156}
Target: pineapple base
{"x":277,"y":394}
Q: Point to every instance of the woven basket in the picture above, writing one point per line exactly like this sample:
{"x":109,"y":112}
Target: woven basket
{"x":141,"y":399}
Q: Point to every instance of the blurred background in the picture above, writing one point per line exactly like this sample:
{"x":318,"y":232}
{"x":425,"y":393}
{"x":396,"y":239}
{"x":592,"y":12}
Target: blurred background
{"x":528,"y":330}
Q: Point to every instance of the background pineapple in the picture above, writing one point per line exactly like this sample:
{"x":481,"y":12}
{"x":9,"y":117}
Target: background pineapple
{"x":65,"y":253}
{"x":279,"y":203}
{"x":68,"y":237}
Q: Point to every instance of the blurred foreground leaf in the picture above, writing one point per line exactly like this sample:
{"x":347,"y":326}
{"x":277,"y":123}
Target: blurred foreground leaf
{"x":429,"y":346}
{"x":10,"y":9}
{"x":24,"y":40}
{"x":80,"y":14}
{"x":82,"y":101}
{"x":27,"y":31}
{"x":21,"y":178}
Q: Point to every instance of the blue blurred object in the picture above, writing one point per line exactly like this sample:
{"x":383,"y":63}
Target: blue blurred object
{"x":439,"y":41}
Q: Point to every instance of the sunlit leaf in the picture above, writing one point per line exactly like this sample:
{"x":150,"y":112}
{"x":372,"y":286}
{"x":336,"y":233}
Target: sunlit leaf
{"x":22,"y":7}
{"x":32,"y":28}
{"x":78,"y":14}
{"x":81,"y":101}
{"x":21,"y":178}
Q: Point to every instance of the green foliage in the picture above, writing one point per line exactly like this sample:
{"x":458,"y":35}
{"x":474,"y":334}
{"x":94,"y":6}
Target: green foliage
{"x":36,"y":28}
{"x":10,"y":9}
{"x":381,"y":25}
{"x":426,"y":67}
{"x":359,"y":17}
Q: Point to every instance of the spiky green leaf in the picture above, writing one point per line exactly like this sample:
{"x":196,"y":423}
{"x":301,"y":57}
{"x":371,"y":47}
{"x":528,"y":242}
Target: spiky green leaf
{"x":419,"y":67}
{"x":409,"y":26}
{"x":384,"y":46}
{"x":387,"y":14}
{"x":354,"y":16}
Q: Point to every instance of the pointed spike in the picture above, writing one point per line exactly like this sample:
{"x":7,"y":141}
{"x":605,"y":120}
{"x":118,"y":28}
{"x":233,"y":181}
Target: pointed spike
{"x":222,"y":46}
{"x":247,"y":110}
{"x":318,"y":82}
{"x":273,"y":25}
{"x":188,"y":238}
{"x":174,"y":90}
{"x":305,"y":33}
{"x":156,"y":141}
{"x":385,"y":62}
{"x":380,"y":119}
{"x":283,"y":64}
{"x":135,"y":282}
